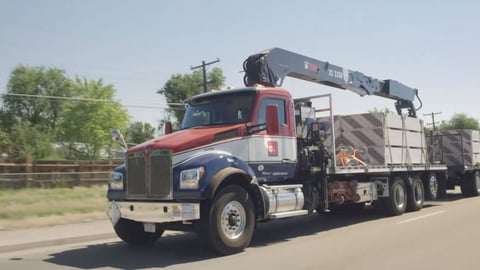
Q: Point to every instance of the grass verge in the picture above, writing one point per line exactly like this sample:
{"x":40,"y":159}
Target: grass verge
{"x":28,"y":208}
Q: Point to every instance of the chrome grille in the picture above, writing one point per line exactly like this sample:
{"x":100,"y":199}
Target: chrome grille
{"x":149,"y":175}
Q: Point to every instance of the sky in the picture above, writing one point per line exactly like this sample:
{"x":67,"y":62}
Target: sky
{"x":138,"y":45}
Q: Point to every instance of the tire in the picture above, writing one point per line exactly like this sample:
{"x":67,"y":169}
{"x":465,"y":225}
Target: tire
{"x":442,"y":185}
{"x":133,"y":233}
{"x":415,"y":195}
{"x":227,"y":224}
{"x":471,"y":184}
{"x":396,"y":203}
{"x":431,"y":187}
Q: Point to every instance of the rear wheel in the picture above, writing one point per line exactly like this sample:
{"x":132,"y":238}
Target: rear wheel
{"x":396,"y":203}
{"x":470,"y":184}
{"x":442,"y":185}
{"x":133,"y":232}
{"x":431,"y":187}
{"x":227,"y":226}
{"x":415,"y":195}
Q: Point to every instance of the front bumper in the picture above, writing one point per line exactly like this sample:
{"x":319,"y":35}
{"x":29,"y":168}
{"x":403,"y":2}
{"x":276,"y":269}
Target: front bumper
{"x":153,"y":212}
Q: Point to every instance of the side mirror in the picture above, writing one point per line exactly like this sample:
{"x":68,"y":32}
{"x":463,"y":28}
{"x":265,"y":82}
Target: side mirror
{"x":115,"y":134}
{"x":118,"y":137}
{"x":167,"y":128}
{"x":273,"y":126}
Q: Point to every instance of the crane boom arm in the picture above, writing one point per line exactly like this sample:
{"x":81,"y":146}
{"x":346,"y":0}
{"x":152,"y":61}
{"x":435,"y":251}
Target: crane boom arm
{"x":270,"y":68}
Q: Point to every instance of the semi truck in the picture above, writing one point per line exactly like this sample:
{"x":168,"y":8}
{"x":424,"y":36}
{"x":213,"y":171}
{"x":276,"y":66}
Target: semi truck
{"x":256,"y":154}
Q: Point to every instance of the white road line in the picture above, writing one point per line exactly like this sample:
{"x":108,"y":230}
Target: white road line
{"x":421,"y":217}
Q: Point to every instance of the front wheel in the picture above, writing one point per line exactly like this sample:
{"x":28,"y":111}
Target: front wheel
{"x":133,"y":232}
{"x":227,"y":225}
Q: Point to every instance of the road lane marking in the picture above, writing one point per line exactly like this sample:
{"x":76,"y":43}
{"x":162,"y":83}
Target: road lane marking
{"x":421,"y":217}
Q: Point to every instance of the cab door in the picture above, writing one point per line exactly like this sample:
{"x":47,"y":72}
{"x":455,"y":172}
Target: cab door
{"x":273,"y":157}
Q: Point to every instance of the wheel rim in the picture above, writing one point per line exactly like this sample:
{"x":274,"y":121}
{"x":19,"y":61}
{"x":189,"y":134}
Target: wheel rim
{"x":399,"y":197}
{"x":233,"y":220}
{"x":433,"y":185}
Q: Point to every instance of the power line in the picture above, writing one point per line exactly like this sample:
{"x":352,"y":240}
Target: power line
{"x":57,"y":97}
{"x":92,"y":99}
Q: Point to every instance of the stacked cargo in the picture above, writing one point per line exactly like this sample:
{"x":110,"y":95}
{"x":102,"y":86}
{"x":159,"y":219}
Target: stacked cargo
{"x":378,"y":139}
{"x":459,"y":147}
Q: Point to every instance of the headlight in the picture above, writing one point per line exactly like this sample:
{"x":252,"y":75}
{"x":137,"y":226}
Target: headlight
{"x":116,"y":181}
{"x":189,"y":178}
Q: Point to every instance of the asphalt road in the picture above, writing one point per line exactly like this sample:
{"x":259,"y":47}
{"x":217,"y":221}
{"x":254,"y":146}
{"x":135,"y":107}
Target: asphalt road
{"x":443,"y":235}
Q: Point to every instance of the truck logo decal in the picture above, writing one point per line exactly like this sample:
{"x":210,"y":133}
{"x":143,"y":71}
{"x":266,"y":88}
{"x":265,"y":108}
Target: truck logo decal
{"x":310,"y":66}
{"x":272,"y":148}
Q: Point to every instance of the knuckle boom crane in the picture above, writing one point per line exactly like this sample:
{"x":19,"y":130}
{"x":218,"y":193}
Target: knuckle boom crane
{"x":270,"y":68}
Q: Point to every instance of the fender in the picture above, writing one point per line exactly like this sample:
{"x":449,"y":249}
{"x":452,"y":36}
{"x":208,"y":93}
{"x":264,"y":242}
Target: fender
{"x":240,"y":174}
{"x":221,"y":176}
{"x":218,"y":166}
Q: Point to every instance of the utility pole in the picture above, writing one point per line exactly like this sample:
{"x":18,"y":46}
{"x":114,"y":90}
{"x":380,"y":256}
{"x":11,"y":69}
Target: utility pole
{"x":431,"y":133}
{"x":203,"y":66}
{"x":433,"y":118}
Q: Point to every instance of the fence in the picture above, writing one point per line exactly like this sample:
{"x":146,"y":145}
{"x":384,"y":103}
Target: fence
{"x":48,"y":173}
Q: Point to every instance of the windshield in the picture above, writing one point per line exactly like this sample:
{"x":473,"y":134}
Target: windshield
{"x":230,"y":108}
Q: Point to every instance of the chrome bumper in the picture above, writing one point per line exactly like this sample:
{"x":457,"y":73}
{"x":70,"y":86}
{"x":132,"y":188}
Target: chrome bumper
{"x":153,"y":212}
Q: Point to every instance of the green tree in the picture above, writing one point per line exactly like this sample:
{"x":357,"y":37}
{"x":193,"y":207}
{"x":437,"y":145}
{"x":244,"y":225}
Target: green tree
{"x":384,"y":110}
{"x":7,"y":120}
{"x":180,"y":87}
{"x":24,"y":87}
{"x":460,"y":121}
{"x":28,"y":142}
{"x":86,"y":125}
{"x":139,"y":132}
{"x":29,"y":114}
{"x":5,"y":143}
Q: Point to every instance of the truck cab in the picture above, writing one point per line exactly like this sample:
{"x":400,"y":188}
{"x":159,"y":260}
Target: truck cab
{"x":228,"y":121}
{"x":226,"y":139}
